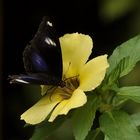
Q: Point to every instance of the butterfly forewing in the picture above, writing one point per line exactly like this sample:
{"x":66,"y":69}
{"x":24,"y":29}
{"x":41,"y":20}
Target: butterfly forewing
{"x":42,"y":56}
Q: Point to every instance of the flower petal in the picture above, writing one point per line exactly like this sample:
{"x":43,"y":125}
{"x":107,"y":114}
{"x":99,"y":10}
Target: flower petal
{"x":93,"y":73}
{"x":78,"y":99}
{"x":47,"y":89}
{"x":41,"y":109}
{"x":76,"y":48}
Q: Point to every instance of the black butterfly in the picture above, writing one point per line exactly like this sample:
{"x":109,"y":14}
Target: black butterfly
{"x":42,"y":58}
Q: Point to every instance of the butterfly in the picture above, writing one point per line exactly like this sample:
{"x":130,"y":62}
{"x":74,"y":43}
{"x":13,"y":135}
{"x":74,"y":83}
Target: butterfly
{"x":42,"y":58}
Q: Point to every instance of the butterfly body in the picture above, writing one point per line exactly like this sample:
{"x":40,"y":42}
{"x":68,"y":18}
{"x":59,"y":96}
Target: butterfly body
{"x":42,"y":58}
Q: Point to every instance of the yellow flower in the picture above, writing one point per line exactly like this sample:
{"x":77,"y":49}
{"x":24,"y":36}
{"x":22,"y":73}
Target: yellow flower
{"x":79,"y":76}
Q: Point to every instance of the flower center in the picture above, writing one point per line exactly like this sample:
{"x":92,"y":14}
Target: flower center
{"x":70,"y":84}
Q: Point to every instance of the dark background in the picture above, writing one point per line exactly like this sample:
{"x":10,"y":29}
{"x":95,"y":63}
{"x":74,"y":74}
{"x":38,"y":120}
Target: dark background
{"x":19,"y":21}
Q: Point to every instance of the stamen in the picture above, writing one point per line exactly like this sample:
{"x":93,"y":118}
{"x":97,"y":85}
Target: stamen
{"x":70,"y":85}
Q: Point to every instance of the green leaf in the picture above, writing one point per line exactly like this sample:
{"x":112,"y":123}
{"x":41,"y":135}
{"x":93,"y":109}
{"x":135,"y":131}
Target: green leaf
{"x":118,"y":125}
{"x":122,"y":60}
{"x":93,"y":134}
{"x":83,"y":117}
{"x":136,"y":118}
{"x":115,"y":73}
{"x":118,"y":101}
{"x":45,"y":129}
{"x":132,"y":92}
{"x":106,"y":138}
{"x":131,"y":49}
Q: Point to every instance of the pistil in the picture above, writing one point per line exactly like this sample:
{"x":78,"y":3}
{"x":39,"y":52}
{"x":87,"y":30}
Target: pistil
{"x":70,"y":85}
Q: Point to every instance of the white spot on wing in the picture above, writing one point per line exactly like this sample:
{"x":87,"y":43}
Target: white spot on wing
{"x":21,"y":81}
{"x":49,"y":23}
{"x":50,"y":41}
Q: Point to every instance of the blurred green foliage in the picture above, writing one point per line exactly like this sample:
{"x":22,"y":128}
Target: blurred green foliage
{"x":110,"y":10}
